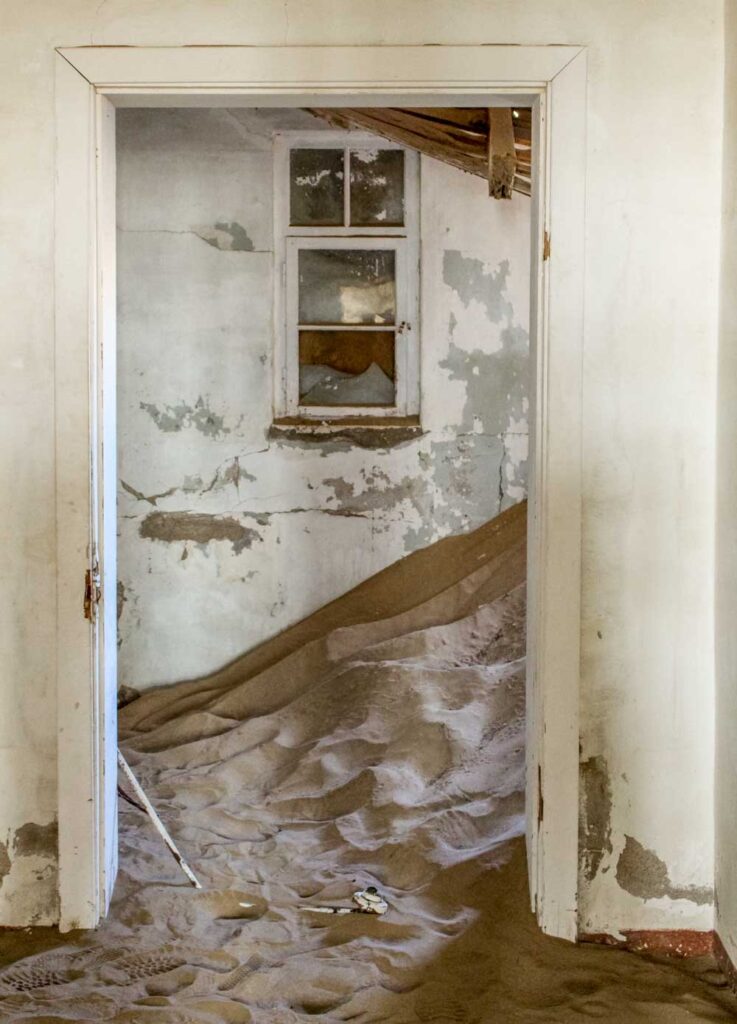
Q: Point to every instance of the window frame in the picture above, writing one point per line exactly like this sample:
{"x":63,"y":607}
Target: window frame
{"x":288,"y":240}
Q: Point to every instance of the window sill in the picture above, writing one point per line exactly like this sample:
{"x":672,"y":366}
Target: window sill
{"x":361,"y":431}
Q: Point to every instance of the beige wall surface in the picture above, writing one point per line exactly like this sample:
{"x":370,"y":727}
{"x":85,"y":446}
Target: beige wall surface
{"x":650,"y":375}
{"x":726,"y":547}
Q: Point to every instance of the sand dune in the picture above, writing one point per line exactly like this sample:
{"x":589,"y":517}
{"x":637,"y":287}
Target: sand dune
{"x":380,"y":742}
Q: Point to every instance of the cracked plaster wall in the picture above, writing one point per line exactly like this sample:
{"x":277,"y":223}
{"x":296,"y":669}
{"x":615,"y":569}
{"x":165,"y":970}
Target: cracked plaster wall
{"x":226,"y":536}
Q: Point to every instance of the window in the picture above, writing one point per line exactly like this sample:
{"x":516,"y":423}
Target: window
{"x":346,"y":239}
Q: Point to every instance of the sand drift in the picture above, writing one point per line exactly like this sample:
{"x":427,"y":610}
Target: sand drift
{"x":378,"y":744}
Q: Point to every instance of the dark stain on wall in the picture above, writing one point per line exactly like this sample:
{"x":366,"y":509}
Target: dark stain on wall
{"x":595,"y":829}
{"x":198,"y":527}
{"x":228,"y":236}
{"x":642,"y":873}
{"x":4,"y":863}
{"x":32,"y":840}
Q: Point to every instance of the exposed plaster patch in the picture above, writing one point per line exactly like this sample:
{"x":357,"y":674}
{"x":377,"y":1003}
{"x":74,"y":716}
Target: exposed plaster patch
{"x":463,"y":496}
{"x":516,"y":449}
{"x":495,"y":382}
{"x":4,"y":863}
{"x":32,"y":840}
{"x":228,"y":236}
{"x":198,"y":527}
{"x":174,"y":418}
{"x":150,"y":498}
{"x":412,"y":489}
{"x":471,"y":281}
{"x":595,"y":816}
{"x":642,"y":873}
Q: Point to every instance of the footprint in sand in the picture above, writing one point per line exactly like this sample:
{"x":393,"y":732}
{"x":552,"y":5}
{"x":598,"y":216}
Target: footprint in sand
{"x":231,"y":905}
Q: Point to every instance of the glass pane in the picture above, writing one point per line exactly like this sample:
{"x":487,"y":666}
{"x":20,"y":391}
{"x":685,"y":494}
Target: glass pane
{"x":346,"y":368}
{"x":347,"y":286}
{"x":316,"y":187}
{"x":377,"y":187}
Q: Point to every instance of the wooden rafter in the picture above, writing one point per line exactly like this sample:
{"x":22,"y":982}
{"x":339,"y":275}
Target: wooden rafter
{"x":502,"y":156}
{"x":459,"y":136}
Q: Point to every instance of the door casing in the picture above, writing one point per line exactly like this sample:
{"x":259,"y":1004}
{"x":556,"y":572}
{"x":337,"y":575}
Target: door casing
{"x":91,"y":82}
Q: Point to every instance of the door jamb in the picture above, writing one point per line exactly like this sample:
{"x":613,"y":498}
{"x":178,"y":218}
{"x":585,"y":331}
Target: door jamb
{"x":554,"y":79}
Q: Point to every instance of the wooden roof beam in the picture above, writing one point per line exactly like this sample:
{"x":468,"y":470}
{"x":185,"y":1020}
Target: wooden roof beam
{"x":502,"y":156}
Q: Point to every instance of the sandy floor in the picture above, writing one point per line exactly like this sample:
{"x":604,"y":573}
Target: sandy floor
{"x":386,"y":751}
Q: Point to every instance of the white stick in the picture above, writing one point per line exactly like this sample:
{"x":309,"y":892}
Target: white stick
{"x":158,"y":823}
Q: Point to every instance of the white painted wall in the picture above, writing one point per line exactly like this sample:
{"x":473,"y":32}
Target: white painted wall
{"x":650,"y":387}
{"x":306,"y":520}
{"x":726,"y":575}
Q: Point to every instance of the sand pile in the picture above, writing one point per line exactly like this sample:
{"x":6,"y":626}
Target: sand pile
{"x":380,"y":744}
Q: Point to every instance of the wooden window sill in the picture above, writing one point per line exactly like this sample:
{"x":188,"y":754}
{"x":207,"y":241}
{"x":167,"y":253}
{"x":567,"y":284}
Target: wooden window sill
{"x":361,"y":431}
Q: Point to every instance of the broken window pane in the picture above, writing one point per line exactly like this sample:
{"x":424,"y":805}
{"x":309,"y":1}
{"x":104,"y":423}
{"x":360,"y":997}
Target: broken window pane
{"x":347,"y":286}
{"x":316,"y":187}
{"x":346,"y":368}
{"x":377,"y":187}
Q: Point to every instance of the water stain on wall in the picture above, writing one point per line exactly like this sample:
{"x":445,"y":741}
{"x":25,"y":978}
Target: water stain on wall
{"x":198,"y":527}
{"x":228,"y":236}
{"x":642,"y":873}
{"x":4,"y":863}
{"x":595,"y":816}
{"x":173,"y":418}
{"x":32,"y":840}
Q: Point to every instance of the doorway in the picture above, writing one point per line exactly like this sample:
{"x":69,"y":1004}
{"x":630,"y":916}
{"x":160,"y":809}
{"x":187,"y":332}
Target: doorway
{"x":86,"y":123}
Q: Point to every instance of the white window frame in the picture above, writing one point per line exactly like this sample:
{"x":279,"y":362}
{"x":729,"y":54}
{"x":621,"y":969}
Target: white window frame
{"x":288,"y":240}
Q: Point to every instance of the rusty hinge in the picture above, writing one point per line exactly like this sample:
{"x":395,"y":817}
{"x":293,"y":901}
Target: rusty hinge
{"x":546,"y":246}
{"x":92,"y":592}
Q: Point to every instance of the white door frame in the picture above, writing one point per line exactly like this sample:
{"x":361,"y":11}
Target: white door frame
{"x":90,"y":83}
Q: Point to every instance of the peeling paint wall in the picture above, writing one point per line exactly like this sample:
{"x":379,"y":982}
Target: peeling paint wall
{"x":229,"y":534}
{"x":28,"y":873}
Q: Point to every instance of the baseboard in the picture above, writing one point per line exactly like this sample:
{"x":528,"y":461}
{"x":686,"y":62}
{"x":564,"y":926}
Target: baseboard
{"x":673,"y":942}
{"x":725,"y":962}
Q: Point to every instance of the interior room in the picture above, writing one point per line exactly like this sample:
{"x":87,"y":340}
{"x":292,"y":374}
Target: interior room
{"x":369,"y":536}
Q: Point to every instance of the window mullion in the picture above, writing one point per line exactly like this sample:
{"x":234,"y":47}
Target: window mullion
{"x":346,"y":187}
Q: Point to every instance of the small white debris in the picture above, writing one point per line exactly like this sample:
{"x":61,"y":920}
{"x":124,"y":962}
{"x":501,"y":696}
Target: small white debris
{"x":369,"y":901}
